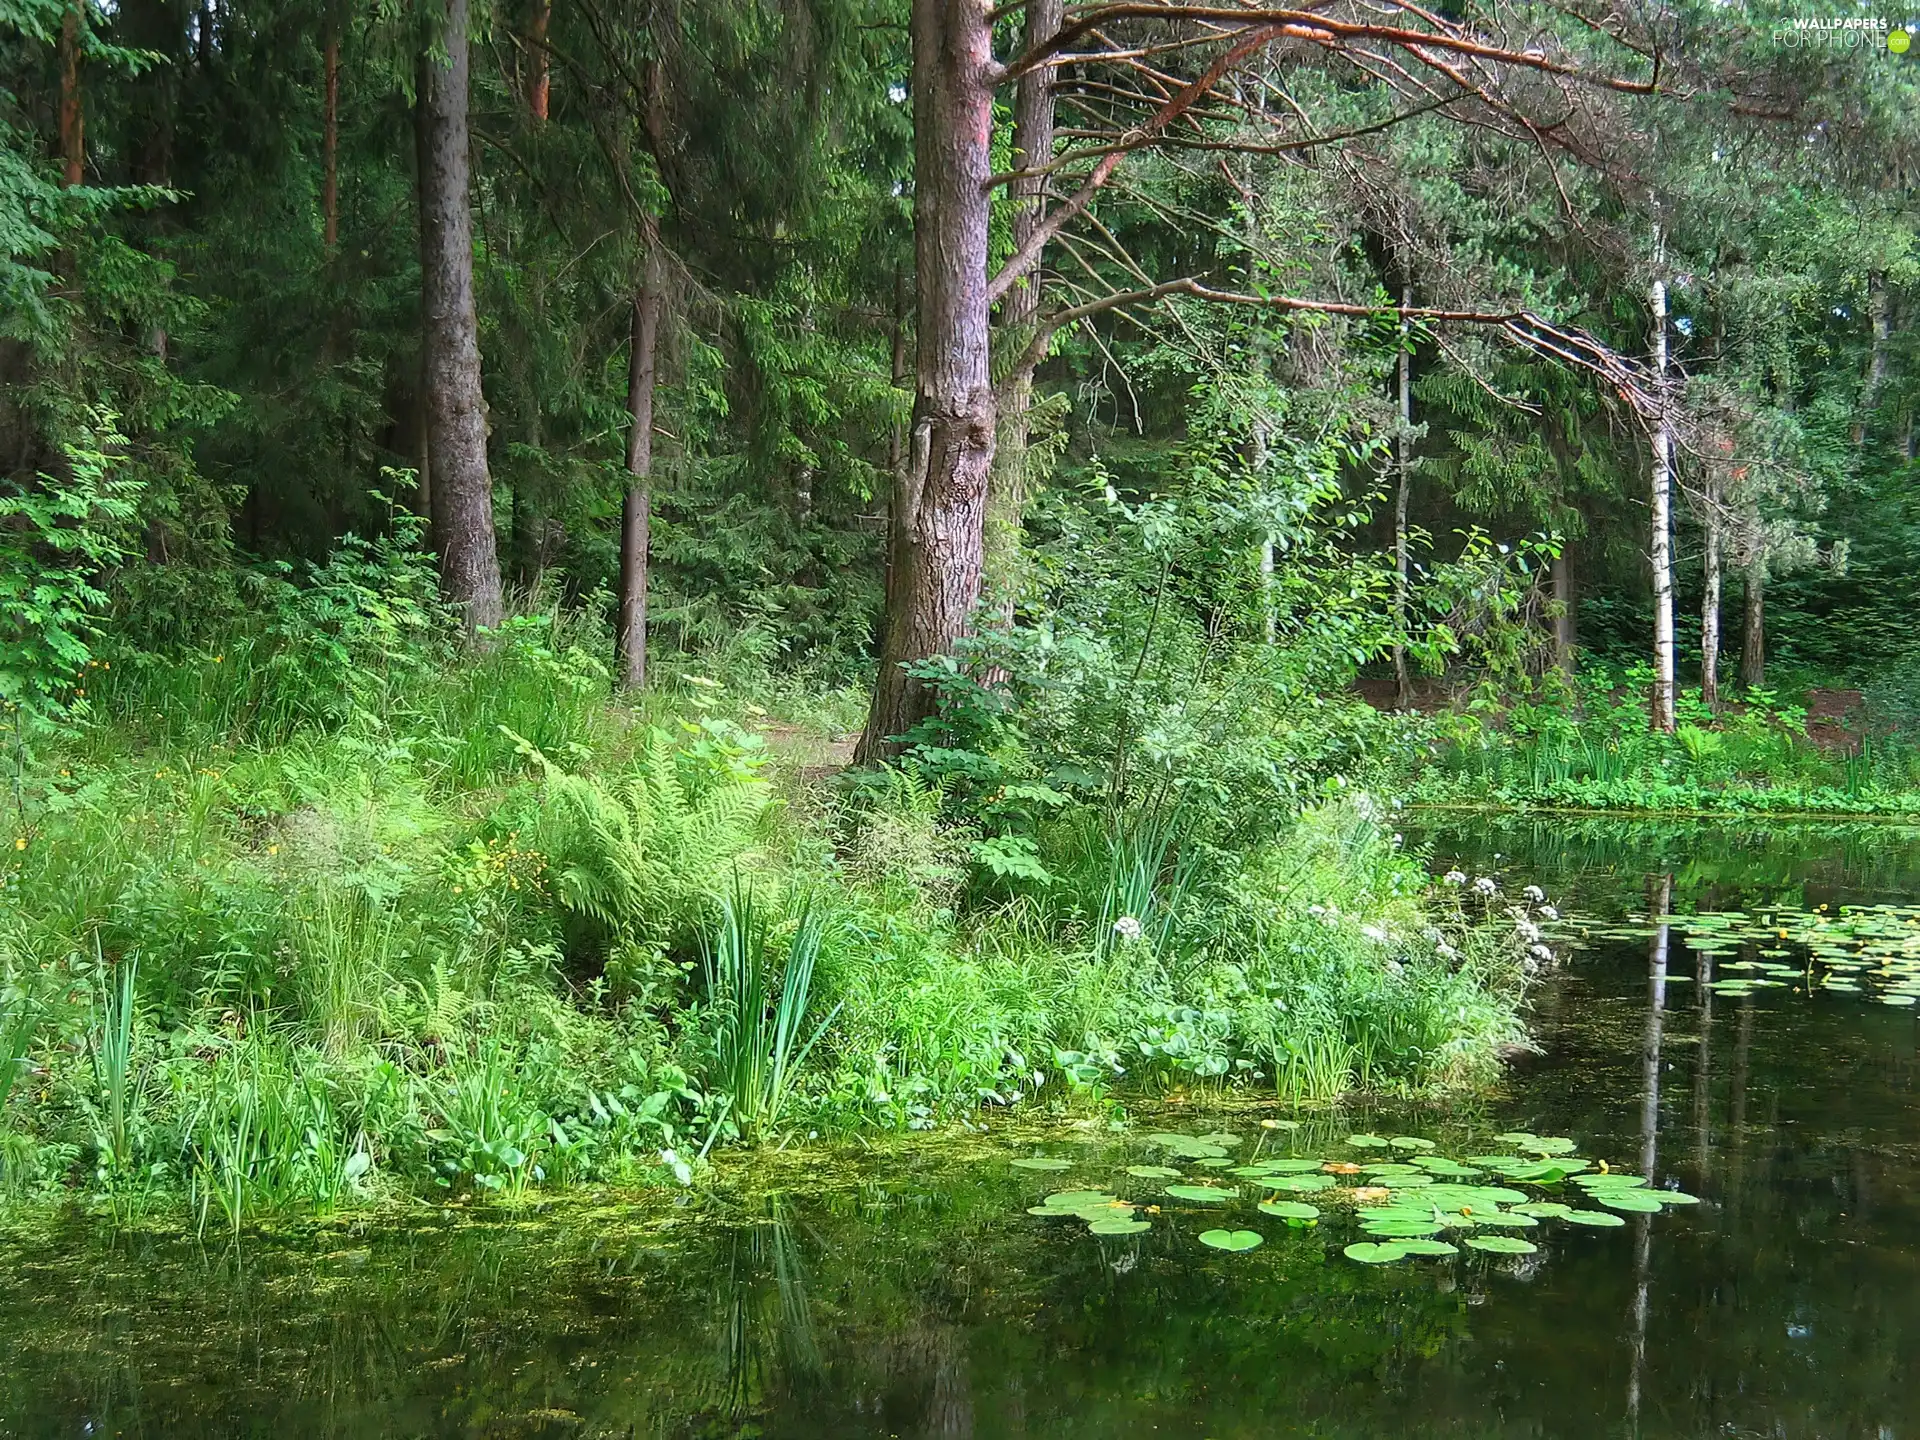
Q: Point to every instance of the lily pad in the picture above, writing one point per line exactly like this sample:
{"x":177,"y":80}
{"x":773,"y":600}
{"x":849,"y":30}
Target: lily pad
{"x":1410,"y":1142}
{"x":1153,"y":1172}
{"x":1118,"y":1226}
{"x":1234,"y":1241}
{"x":1202,"y":1194}
{"x":1598,"y":1219}
{"x":1507,"y":1219}
{"x":1384,"y":1252}
{"x":1300,"y":1184}
{"x":1073,"y":1199}
{"x":1040,"y":1162}
{"x":1637,"y":1202}
{"x":1220,"y":1137}
{"x":1427,"y":1247}
{"x":1290,"y":1209}
{"x":1403,"y":1229}
{"x":1368,"y":1142}
{"x":1292,"y":1166}
{"x":1544,"y":1210}
{"x":1548,"y":1145}
{"x":1544,"y":1172}
{"x":1501,"y":1244}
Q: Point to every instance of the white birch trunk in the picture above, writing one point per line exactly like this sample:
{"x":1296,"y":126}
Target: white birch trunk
{"x":1662,"y":515}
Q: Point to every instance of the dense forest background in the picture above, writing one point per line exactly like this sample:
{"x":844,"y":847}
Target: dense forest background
{"x":223,"y":247}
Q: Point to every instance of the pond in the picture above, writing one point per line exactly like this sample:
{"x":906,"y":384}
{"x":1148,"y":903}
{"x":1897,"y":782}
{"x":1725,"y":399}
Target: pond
{"x":910,"y":1294}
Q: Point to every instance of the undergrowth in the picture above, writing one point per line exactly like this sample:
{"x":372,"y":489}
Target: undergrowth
{"x":324,"y":907}
{"x":1591,"y":747}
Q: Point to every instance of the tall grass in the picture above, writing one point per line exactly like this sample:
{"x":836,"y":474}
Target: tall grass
{"x":117,"y":1080}
{"x":266,"y":1138}
{"x":759,"y":1001}
{"x":17,"y":1025}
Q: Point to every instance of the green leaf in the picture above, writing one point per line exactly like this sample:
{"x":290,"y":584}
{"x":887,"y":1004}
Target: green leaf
{"x":1501,"y":1244}
{"x":1118,"y":1226}
{"x":1290,"y":1209}
{"x":1153,"y":1172}
{"x":1300,"y":1184}
{"x":1598,"y":1219}
{"x":1637,"y":1202}
{"x":1040,"y":1162}
{"x":1202,"y":1194}
{"x":1383,"y":1253}
{"x":1509,"y":1218}
{"x":1232,"y":1240}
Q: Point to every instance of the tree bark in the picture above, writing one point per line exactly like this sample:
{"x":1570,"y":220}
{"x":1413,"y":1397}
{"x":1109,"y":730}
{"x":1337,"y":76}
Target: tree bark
{"x":330,"y":144}
{"x":636,"y":516}
{"x":1563,"y":627}
{"x":1880,"y":317}
{"x":1710,"y":604}
{"x":540,"y":92}
{"x":1753,"y":639}
{"x":73,"y":120}
{"x":1403,"y":466}
{"x":940,"y":505}
{"x":457,"y":426}
{"x":1020,"y":312}
{"x":1661,"y":708}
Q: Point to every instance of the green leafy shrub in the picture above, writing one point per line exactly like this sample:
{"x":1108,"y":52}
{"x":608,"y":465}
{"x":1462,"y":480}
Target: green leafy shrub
{"x":650,"y":850}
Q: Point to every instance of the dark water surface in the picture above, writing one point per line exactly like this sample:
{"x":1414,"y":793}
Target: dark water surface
{"x":915,"y":1298}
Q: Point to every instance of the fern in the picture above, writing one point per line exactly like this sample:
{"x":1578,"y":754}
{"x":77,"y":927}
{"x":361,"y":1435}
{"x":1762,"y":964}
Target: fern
{"x":646,"y":853}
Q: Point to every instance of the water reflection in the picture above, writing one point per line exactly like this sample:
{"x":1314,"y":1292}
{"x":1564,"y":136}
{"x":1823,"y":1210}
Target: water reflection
{"x":1660,"y":904}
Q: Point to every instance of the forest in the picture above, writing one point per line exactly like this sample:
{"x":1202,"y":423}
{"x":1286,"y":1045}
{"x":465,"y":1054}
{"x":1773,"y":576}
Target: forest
{"x":588,"y":583}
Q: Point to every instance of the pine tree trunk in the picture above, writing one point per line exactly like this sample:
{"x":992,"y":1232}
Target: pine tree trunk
{"x":1753,"y":640}
{"x":1403,"y":466}
{"x":940,"y":508}
{"x":73,"y":120}
{"x":1879,"y":313}
{"x":1019,"y":311}
{"x":1662,"y":520}
{"x":540,"y":92}
{"x":636,"y":516}
{"x":1710,"y":605}
{"x":1563,"y":628}
{"x":457,"y":426}
{"x":330,"y":145}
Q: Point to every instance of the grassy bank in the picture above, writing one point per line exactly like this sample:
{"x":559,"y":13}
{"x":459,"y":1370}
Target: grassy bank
{"x":317,"y":915}
{"x":1590,"y":747}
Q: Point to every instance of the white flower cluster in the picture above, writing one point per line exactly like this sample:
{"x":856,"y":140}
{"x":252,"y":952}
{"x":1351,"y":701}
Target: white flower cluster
{"x":1128,"y":929}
